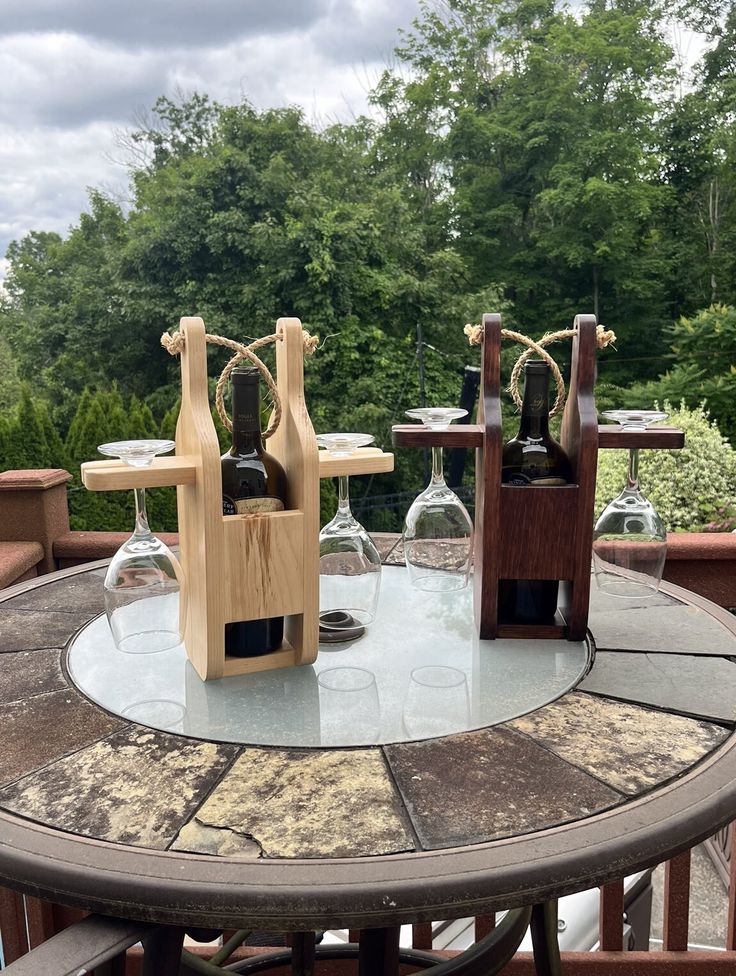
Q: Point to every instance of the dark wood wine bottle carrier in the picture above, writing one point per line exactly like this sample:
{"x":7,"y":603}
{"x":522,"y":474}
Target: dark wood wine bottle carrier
{"x":243,"y":567}
{"x":527,"y":532}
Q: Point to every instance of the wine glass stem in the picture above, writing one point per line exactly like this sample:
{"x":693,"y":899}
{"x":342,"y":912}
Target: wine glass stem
{"x":142,"y":531}
{"x":438,"y":471}
{"x":343,"y":504}
{"x":632,"y":477}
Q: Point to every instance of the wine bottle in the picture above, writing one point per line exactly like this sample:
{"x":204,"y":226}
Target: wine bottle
{"x":253,"y":482}
{"x":533,"y":457}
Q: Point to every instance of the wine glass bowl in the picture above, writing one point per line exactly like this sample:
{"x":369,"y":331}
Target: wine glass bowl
{"x":635,"y":419}
{"x":138,"y":454}
{"x":437,"y":418}
{"x":438,"y":531}
{"x":349,"y":563}
{"x":144,"y":580}
{"x":630,"y":538}
{"x":343,"y":445}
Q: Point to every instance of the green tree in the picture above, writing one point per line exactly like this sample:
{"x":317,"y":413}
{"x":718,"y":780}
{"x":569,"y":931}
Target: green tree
{"x":703,"y":367}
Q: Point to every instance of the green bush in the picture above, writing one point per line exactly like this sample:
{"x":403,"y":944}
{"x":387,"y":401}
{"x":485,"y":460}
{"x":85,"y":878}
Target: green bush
{"x":689,"y":488}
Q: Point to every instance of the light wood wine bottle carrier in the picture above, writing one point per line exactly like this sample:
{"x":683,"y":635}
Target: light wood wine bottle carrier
{"x":243,"y":567}
{"x":527,"y":532}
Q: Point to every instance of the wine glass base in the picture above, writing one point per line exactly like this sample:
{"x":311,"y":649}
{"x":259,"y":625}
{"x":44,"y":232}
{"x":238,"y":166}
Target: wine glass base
{"x":162,"y":713}
{"x":615,"y":584}
{"x":436,"y":582}
{"x":148,"y":641}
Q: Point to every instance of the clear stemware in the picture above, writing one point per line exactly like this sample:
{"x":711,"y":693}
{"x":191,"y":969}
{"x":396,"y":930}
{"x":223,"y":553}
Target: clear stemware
{"x":144,"y":580}
{"x":349,"y":563}
{"x":438,"y":532}
{"x":629,"y":538}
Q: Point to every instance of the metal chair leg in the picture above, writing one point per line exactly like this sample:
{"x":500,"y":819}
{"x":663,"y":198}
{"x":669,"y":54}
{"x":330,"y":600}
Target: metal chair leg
{"x":544,"y":939}
{"x":162,"y":951}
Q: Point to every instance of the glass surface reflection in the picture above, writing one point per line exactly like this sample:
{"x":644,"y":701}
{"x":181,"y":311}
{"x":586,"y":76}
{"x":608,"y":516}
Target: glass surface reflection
{"x":437,"y":703}
{"x":353,"y":692}
{"x":396,"y":672}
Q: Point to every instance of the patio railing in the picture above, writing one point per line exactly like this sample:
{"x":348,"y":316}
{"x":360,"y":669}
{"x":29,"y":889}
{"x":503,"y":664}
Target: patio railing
{"x":27,"y":922}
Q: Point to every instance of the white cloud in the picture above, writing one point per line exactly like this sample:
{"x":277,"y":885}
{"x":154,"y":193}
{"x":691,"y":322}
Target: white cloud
{"x":46,"y":175}
{"x":162,"y":23}
{"x":75,"y":71}
{"x":66,"y":80}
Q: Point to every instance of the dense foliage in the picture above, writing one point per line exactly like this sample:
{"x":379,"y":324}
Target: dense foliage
{"x":689,"y":488}
{"x":524,"y":157}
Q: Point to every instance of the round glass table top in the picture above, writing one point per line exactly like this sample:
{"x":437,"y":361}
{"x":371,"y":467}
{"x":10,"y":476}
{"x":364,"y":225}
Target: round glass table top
{"x":418,"y":672}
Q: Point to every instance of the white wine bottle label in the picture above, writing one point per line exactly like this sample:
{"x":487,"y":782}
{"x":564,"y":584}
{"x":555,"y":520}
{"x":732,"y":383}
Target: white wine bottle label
{"x":251,"y":506}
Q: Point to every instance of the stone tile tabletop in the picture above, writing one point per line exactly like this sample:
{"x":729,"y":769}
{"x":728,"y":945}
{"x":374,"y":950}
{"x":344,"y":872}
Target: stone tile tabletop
{"x":703,"y":687}
{"x":674,"y":629}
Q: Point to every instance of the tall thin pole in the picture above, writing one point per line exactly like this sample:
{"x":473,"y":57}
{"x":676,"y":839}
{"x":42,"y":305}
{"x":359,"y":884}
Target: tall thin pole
{"x":422,"y":391}
{"x":420,"y":363}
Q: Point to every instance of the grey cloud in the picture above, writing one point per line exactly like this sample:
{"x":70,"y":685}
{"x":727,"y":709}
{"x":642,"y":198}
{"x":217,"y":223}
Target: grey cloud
{"x":64,"y":80}
{"x":363,"y":30}
{"x":162,"y":23}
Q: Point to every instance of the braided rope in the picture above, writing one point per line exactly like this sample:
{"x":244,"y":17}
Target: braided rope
{"x":173,"y":343}
{"x":603,"y":337}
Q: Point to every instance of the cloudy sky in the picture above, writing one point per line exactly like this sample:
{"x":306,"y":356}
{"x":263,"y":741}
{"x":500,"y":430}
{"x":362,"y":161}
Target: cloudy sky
{"x":75,"y":72}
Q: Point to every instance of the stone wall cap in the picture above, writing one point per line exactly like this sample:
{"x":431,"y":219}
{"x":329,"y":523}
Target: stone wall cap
{"x":99,"y":545}
{"x":38,"y":479}
{"x":701,"y":545}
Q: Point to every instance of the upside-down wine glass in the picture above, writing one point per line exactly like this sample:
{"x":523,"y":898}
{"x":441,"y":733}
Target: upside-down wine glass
{"x":349,"y":563}
{"x":144,"y":580}
{"x":438,"y":532}
{"x":629,"y":538}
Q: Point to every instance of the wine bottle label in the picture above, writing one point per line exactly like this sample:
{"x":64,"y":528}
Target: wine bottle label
{"x":251,"y":506}
{"x":522,"y":479}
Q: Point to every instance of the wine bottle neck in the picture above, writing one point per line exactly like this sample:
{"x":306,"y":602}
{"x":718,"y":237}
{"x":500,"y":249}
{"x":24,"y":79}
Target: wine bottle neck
{"x":535,"y":406}
{"x":246,"y":418}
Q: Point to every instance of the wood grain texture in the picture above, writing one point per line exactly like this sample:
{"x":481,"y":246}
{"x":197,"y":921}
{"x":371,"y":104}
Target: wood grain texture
{"x":260,"y":585}
{"x":663,"y":438}
{"x":676,"y":910}
{"x":417,"y":435}
{"x":544,"y":532}
{"x":253,"y":566}
{"x":488,"y":481}
{"x":201,"y":532}
{"x":611,"y":917}
{"x":536,"y":532}
{"x":365,"y":460}
{"x":163,"y":472}
{"x":579,"y":436}
{"x":295,"y":445}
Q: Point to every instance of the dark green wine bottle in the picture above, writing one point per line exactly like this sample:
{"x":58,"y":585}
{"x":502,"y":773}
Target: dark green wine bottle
{"x":253,"y":482}
{"x":533,"y":457}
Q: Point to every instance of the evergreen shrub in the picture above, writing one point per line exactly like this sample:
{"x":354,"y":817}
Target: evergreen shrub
{"x":692,"y":489}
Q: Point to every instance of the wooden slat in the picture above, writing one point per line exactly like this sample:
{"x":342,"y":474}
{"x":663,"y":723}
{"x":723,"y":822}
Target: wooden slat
{"x":611,"y":921}
{"x":40,"y":916}
{"x":731,"y":926}
{"x":421,"y":935}
{"x":667,"y":438}
{"x":676,"y":903}
{"x":484,"y":925}
{"x":13,"y":925}
{"x":457,"y":435}
{"x":163,"y":472}
{"x":632,"y":964}
{"x":365,"y":460}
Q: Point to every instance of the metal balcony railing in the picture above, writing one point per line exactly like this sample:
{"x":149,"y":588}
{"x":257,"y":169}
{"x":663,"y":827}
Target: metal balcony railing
{"x":26,"y":923}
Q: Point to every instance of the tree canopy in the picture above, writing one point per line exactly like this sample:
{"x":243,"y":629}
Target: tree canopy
{"x":522,"y":156}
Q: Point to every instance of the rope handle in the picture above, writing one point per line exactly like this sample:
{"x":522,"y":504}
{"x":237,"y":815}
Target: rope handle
{"x":173,"y":343}
{"x":603,"y":338}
